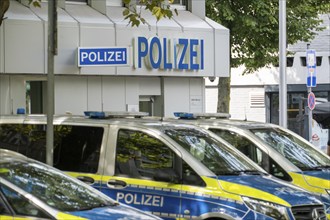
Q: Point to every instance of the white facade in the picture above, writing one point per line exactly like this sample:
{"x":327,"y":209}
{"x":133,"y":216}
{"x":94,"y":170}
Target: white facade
{"x":23,"y":59}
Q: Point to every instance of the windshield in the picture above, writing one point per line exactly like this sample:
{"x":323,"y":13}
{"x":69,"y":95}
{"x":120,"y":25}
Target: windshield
{"x":293,"y":148}
{"x":215,"y":155}
{"x":51,"y":186}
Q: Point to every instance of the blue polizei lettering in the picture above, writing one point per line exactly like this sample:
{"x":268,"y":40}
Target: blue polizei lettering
{"x":202,"y":56}
{"x":102,"y":56}
{"x":142,"y":51}
{"x":193,"y":54}
{"x":165,"y":55}
{"x":181,"y":54}
{"x":182,"y":65}
{"x":140,"y":199}
{"x":155,"y":47}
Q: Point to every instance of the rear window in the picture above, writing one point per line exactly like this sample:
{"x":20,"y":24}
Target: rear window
{"x":76,"y":148}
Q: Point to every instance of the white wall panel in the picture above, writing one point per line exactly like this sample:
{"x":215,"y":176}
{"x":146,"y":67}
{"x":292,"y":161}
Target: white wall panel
{"x":113,"y":93}
{"x":23,"y":40}
{"x":2,"y":50}
{"x":196,"y":94}
{"x":221,"y":49}
{"x":211,"y":100}
{"x":66,"y":61}
{"x":132,"y":91}
{"x":176,"y":95}
{"x":70,"y":94}
{"x":17,"y":93}
{"x":67,"y":39}
{"x":94,"y":93}
{"x":149,"y":85}
{"x":240,"y":105}
{"x":4,"y":95}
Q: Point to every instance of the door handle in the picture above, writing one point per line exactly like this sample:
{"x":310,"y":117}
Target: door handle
{"x":116,"y":184}
{"x":86,"y":179}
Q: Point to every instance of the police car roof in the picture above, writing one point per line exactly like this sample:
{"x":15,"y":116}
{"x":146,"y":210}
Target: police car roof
{"x":12,"y":154}
{"x":238,"y":123}
{"x":150,"y":122}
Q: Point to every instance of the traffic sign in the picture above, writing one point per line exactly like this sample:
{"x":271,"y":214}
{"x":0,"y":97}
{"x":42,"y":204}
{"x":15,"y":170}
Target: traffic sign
{"x":311,"y":101}
{"x":311,"y":67}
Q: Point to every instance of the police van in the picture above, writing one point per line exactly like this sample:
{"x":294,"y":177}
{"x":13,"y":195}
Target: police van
{"x":281,"y":152}
{"x":169,"y":169}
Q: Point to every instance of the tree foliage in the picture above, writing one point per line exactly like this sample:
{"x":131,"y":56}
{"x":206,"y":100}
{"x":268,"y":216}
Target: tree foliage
{"x":4,"y":5}
{"x":254,"y":27}
{"x":254,"y":32}
{"x":158,"y":8}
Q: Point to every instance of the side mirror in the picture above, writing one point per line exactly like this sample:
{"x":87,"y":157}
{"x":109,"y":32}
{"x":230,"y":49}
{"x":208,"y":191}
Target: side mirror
{"x":166,"y":175}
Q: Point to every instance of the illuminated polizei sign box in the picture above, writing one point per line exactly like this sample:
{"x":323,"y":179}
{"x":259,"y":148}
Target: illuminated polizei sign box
{"x":109,"y":56}
{"x":152,"y":53}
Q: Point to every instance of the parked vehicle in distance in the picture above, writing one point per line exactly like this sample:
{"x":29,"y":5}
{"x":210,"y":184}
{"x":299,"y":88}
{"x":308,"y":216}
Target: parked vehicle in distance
{"x":170,"y":169}
{"x":32,"y":190}
{"x":281,"y":152}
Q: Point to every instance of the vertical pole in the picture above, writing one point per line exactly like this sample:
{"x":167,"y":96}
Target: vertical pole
{"x":52,"y":45}
{"x":310,"y":113}
{"x":282,"y":58}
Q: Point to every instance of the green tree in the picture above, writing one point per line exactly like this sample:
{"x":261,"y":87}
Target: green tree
{"x":254,"y":32}
{"x":4,"y":5}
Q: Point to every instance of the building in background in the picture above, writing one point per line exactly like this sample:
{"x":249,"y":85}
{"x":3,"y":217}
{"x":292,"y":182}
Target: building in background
{"x":103,"y":64}
{"x":255,"y":96}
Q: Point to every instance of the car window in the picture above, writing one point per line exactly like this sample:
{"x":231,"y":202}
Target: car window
{"x":52,"y":186}
{"x":243,"y":144}
{"x":215,"y":155}
{"x":3,"y":208}
{"x":277,"y":171}
{"x":291,"y":147}
{"x":140,"y":155}
{"x":21,"y":205}
{"x":76,"y":148}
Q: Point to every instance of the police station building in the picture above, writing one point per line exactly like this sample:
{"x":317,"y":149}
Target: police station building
{"x":104,"y":64}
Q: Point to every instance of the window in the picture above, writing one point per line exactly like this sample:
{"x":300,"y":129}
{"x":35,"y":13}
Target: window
{"x":76,"y":148}
{"x":20,"y":204}
{"x":277,"y":171}
{"x":289,"y":61}
{"x":318,"y":61}
{"x":3,"y":209}
{"x":190,"y":177}
{"x":242,"y":144}
{"x":140,"y":155}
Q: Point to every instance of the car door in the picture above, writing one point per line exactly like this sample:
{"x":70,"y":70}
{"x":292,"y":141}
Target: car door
{"x":77,"y":150}
{"x":146,"y":174}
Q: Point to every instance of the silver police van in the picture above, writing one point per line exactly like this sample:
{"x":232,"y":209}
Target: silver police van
{"x":281,"y":152}
{"x":172,"y":170}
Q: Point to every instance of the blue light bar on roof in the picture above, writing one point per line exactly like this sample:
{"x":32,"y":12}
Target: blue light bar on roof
{"x":123,"y":114}
{"x":94,"y":114}
{"x":185,"y":115}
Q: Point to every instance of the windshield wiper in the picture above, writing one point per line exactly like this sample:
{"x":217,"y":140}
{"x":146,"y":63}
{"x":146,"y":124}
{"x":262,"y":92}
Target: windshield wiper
{"x":252,"y":172}
{"x":102,"y":205}
{"x":228,"y":173}
{"x":322,"y":167}
{"x":241,"y":172}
